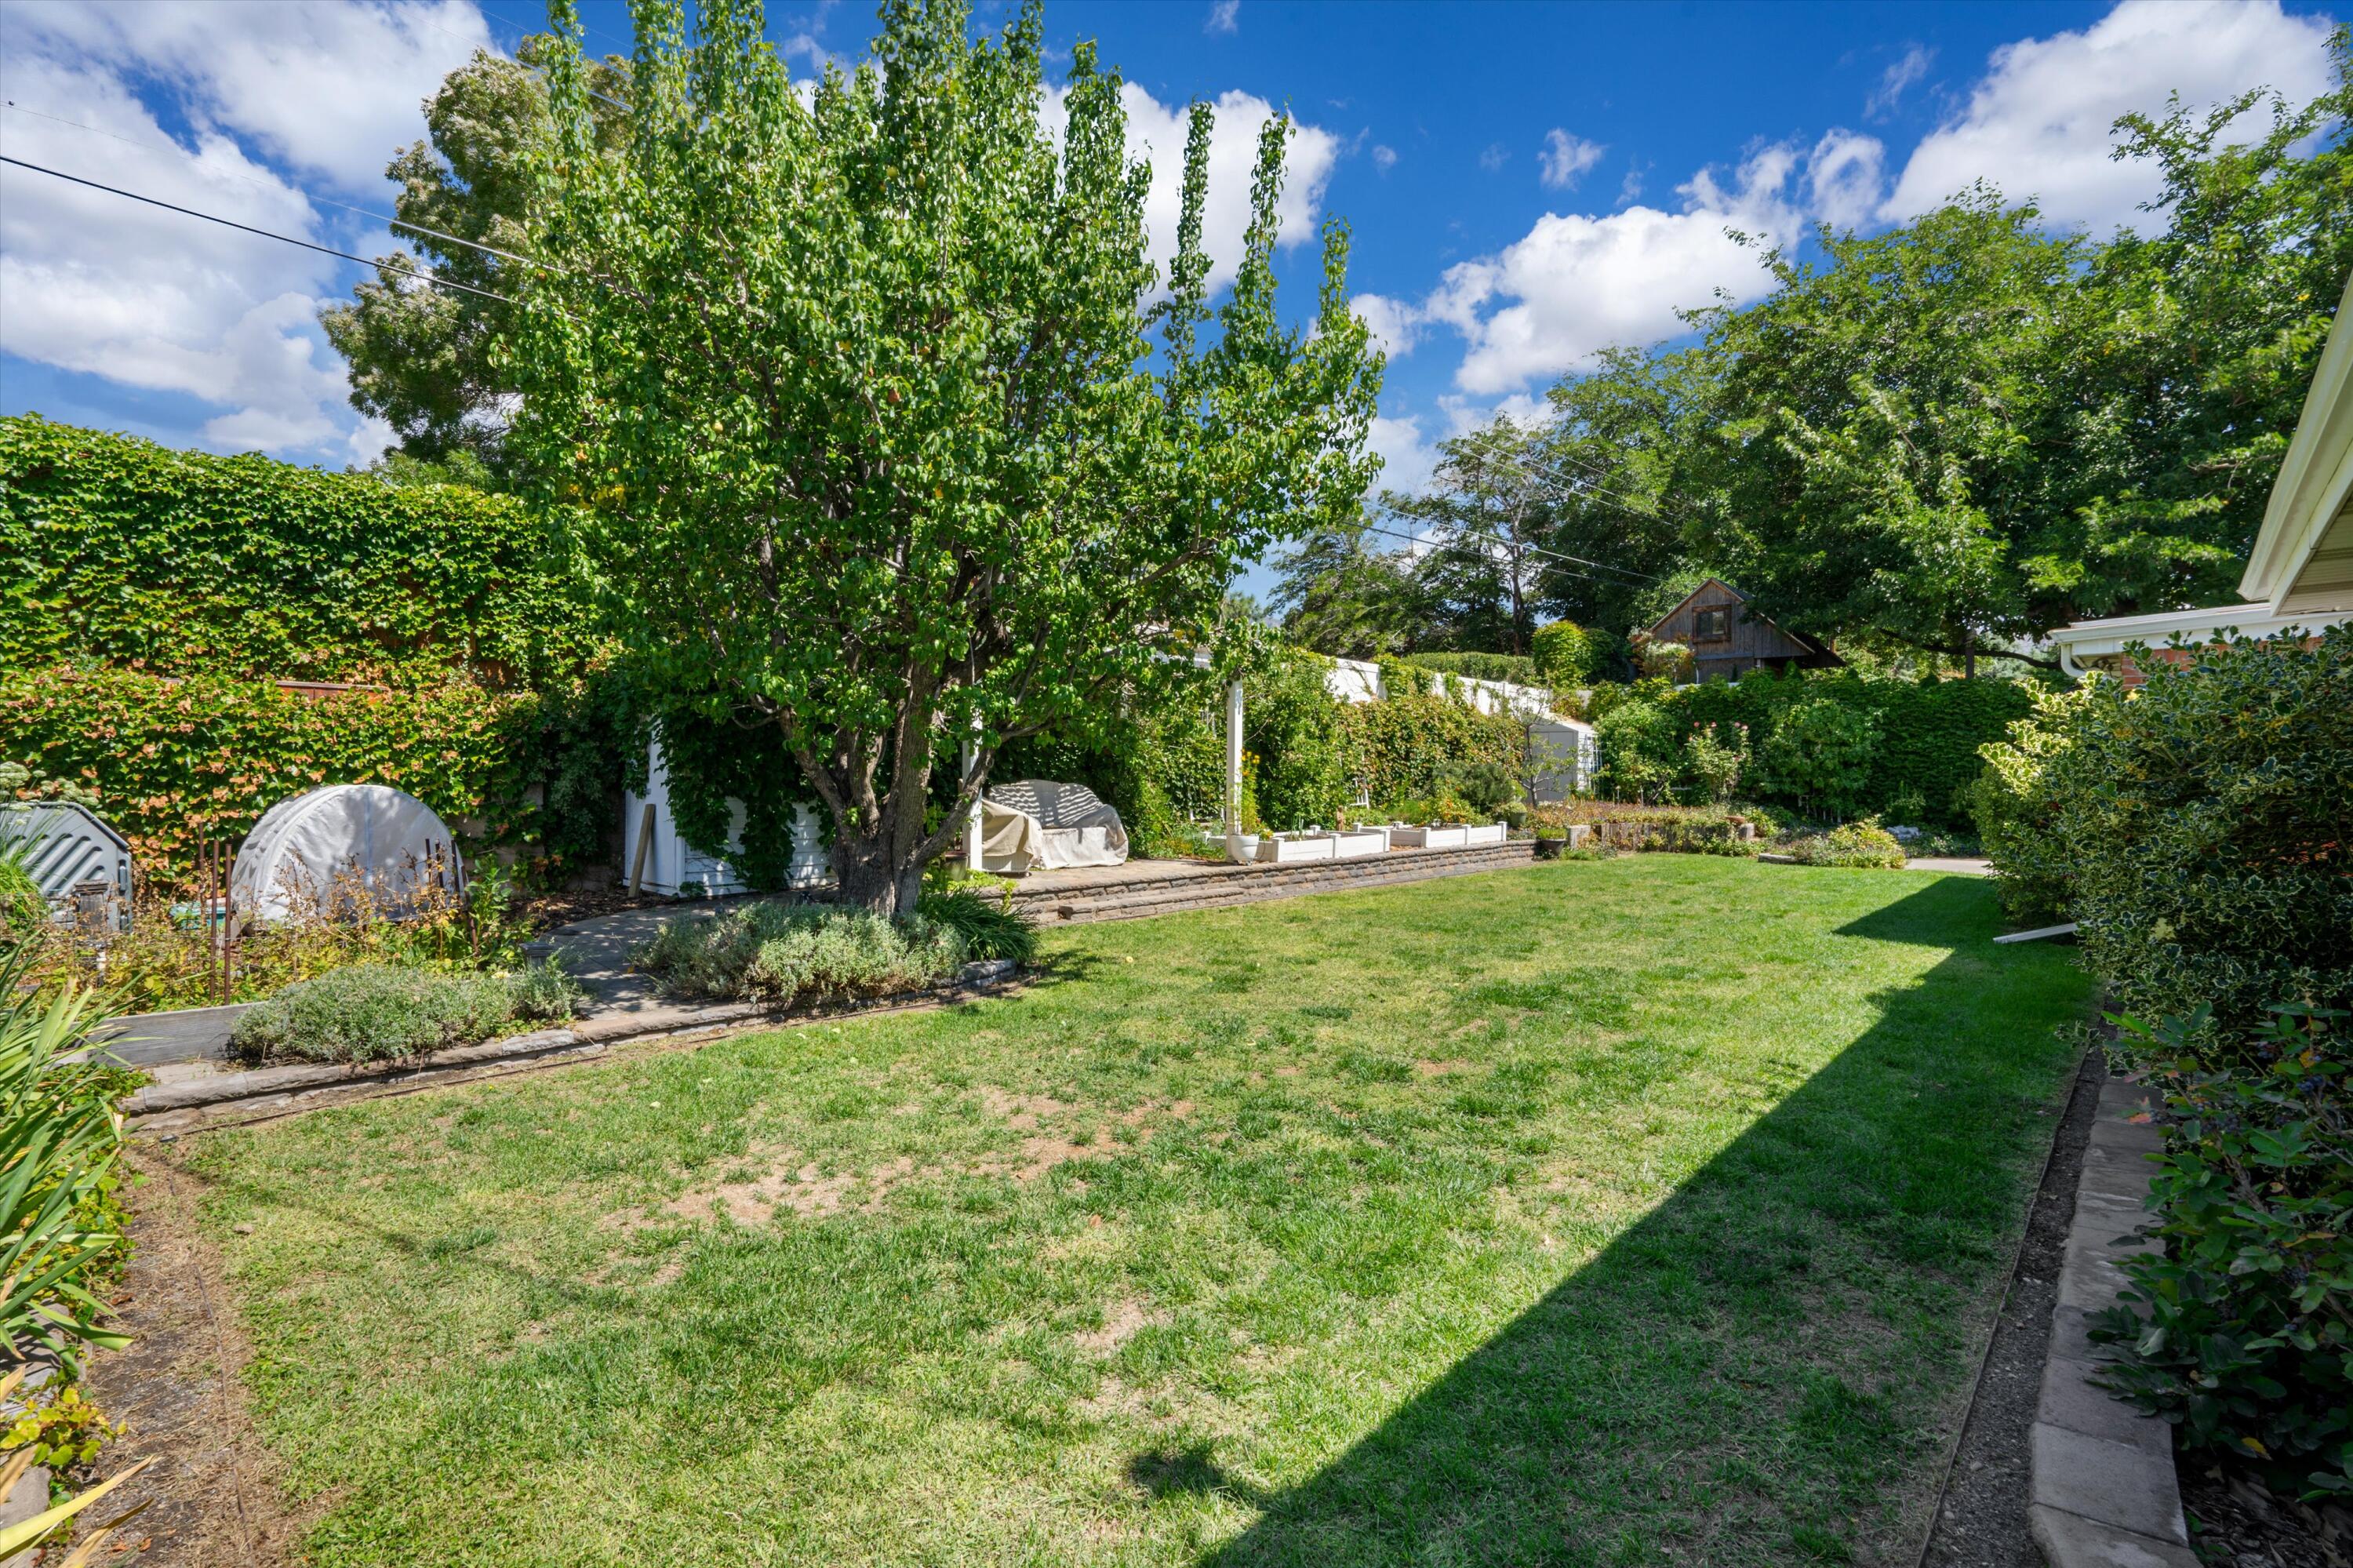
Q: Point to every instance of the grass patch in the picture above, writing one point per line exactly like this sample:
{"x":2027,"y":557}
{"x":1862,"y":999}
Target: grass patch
{"x":1636,"y":1212}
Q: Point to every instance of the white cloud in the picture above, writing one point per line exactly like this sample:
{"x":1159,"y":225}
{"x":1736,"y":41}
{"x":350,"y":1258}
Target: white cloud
{"x":1896,"y":80}
{"x":1395,"y":324}
{"x":332,"y":89}
{"x":1225,"y":16}
{"x":1494,"y":157}
{"x":1407,"y":459}
{"x":1157,"y":131}
{"x":1846,"y":176}
{"x":152,"y":299}
{"x":1575,"y":285}
{"x":1564,"y":158}
{"x":2038,"y":123}
{"x":1384,"y":158}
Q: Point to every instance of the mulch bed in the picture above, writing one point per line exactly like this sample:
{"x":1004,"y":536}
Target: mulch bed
{"x":2234,"y":1519}
{"x":544,"y":912}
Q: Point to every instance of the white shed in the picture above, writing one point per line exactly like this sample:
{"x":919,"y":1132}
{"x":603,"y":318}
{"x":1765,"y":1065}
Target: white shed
{"x":668,"y":863}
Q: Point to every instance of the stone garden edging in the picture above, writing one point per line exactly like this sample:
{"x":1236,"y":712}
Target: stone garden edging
{"x":2103,"y":1492}
{"x":193,"y":1103}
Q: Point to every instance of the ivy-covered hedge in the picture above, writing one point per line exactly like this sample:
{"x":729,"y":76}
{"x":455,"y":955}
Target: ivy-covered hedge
{"x":1921,"y":759}
{"x":184,"y":562}
{"x":177,"y":760}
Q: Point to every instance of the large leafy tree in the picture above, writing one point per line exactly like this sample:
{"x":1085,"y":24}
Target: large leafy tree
{"x":422,"y":357}
{"x":1971,"y":429}
{"x":853,"y":400}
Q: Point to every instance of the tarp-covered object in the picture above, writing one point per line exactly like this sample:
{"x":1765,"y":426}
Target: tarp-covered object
{"x":333,"y":850}
{"x":1038,"y":825}
{"x":81,"y":865}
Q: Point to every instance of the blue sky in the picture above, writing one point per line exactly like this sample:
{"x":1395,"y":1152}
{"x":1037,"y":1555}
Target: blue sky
{"x":1526,"y":183}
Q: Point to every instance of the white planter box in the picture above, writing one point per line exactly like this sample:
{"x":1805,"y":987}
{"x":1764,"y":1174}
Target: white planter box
{"x":1441,"y":837}
{"x":1241,"y":848}
{"x":1492,"y":833}
{"x":1360,"y":841}
{"x":1287,"y":849}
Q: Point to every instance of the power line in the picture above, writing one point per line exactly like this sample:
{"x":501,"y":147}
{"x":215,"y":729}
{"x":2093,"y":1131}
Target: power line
{"x":263,"y":233}
{"x":1531,"y":549}
{"x":306,"y":195}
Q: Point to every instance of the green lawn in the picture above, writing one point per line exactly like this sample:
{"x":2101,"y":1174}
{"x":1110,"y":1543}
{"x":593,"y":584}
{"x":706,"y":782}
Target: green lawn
{"x":1642,"y":1211}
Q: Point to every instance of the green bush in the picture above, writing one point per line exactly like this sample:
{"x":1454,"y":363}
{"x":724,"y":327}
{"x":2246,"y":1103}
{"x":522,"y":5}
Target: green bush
{"x":986,"y":927}
{"x":2243,"y":1337}
{"x":61,"y":1216}
{"x":783,"y":952}
{"x":2194,"y":828}
{"x":185,"y":562}
{"x":1863,"y":843}
{"x":1641,"y":750}
{"x":1565,"y":655}
{"x":1308,"y":760}
{"x":1674,"y":829}
{"x":372,"y":1012}
{"x":1820,"y":753}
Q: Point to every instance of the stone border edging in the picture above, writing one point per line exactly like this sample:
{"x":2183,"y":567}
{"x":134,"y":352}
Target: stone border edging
{"x":275,"y":1086}
{"x":2102,"y":1490}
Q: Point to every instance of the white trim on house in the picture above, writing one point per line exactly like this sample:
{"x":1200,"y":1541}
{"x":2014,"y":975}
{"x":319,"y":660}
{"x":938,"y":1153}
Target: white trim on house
{"x":2088,"y":640}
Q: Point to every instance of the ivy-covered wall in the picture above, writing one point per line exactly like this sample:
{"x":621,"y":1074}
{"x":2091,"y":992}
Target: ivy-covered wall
{"x":177,"y":760}
{"x":126,"y":552}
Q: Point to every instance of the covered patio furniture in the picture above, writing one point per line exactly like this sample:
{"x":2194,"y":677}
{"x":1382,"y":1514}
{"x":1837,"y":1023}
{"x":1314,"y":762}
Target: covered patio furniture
{"x":1036,"y":824}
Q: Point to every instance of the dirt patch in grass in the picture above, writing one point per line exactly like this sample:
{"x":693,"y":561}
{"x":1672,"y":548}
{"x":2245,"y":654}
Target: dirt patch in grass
{"x":212,"y":1499}
{"x":1440,"y":1069}
{"x":1121,"y":1319}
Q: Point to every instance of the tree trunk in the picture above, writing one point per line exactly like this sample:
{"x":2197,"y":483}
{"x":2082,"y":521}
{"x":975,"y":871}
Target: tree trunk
{"x":865,"y":874}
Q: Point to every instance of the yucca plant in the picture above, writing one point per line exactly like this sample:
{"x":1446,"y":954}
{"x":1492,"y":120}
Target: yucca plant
{"x":60,"y":1139}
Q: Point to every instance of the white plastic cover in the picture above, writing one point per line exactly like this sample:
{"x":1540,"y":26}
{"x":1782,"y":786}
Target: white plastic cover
{"x":317,"y":852}
{"x":1038,"y":825}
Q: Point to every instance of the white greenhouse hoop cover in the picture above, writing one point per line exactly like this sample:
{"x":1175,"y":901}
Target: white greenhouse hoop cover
{"x":320,"y":851}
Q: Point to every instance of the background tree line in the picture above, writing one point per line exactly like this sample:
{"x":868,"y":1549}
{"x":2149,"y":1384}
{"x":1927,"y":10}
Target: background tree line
{"x":1929,"y":442}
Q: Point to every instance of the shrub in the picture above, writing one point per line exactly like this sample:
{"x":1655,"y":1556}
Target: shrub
{"x":1863,"y":843}
{"x":2247,"y":1341}
{"x":545,"y":992}
{"x":2194,"y":828}
{"x":1820,"y":751}
{"x":1565,"y":654}
{"x":781,"y":952}
{"x":986,"y":927}
{"x":60,"y":1218}
{"x":1308,"y":754}
{"x":372,"y":1012}
{"x":1713,"y":762}
{"x":1639,"y":750}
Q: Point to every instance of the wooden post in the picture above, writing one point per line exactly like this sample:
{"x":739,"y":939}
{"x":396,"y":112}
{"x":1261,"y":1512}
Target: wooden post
{"x":1234,"y":757}
{"x":638,"y":857}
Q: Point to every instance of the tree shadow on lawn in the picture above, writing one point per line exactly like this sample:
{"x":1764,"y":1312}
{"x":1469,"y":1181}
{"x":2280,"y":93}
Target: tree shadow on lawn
{"x":1767,"y":1367}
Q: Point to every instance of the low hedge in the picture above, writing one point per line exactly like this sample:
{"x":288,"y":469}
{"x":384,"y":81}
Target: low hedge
{"x":782,"y":952}
{"x":372,"y":1012}
{"x":2197,"y":832}
{"x":1519,"y":669}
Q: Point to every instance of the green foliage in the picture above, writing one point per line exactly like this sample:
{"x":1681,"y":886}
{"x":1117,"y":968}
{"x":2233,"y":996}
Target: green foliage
{"x":1820,"y":753}
{"x":371,"y":1012}
{"x":545,"y":992}
{"x":2242,"y":1331}
{"x":782,"y":953}
{"x":1863,"y":843}
{"x":2193,"y":828}
{"x":1421,"y":745}
{"x":424,"y":359}
{"x":186,"y":563}
{"x":1640,"y":755}
{"x":1309,"y":757}
{"x":1488,"y":787}
{"x":915,"y":473}
{"x":985,"y":927}
{"x":61,"y":1224}
{"x":205,"y":757}
{"x":1715,"y":758}
{"x":1677,"y":829}
{"x":65,"y":1430}
{"x":1565,"y":654}
{"x":1516,"y":668}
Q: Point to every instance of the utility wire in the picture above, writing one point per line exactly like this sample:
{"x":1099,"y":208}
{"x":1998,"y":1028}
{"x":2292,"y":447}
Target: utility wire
{"x":306,"y":196}
{"x":264,"y":233}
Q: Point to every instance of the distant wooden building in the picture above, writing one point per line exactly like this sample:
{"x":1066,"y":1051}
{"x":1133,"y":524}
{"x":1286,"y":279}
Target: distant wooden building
{"x":1727,"y":639}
